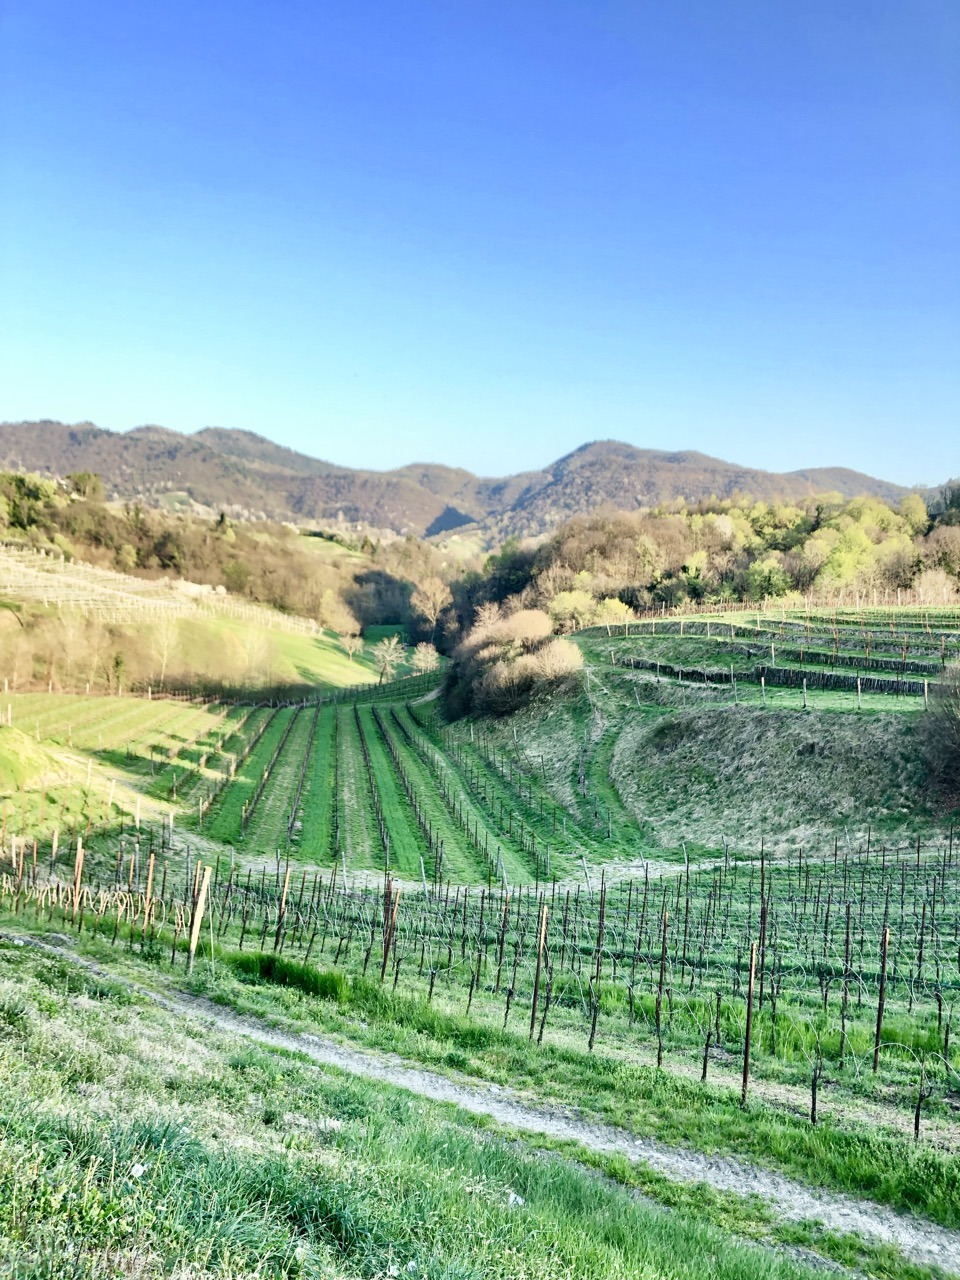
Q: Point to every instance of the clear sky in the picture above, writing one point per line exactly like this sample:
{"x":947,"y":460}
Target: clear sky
{"x":483,"y":233}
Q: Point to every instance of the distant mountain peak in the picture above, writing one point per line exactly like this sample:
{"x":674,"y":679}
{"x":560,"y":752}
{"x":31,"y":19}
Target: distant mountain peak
{"x":242,"y":471}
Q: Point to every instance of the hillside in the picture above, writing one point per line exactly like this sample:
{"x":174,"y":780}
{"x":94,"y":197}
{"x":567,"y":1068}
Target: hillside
{"x":247,"y":474}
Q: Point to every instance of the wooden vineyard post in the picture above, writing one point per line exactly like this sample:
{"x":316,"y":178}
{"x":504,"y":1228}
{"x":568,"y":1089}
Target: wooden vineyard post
{"x":881,"y":998}
{"x":77,"y":879}
{"x":660,"y":984}
{"x":501,"y":941}
{"x":147,"y":898}
{"x":536,"y":981}
{"x":282,"y":913}
{"x":389,"y":932}
{"x":198,"y":918}
{"x":749,"y":1027}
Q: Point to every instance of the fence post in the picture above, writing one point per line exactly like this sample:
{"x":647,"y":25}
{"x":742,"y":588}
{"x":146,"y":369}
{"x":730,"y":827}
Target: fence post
{"x":880,"y":1001}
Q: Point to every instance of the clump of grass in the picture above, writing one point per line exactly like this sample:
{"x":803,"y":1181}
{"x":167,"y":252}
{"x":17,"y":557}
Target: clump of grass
{"x":268,"y":966}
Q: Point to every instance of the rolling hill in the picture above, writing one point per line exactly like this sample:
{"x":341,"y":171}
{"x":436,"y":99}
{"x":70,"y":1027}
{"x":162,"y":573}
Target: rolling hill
{"x":248,"y":474}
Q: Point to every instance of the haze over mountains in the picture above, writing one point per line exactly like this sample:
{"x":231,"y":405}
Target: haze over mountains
{"x":245,"y":473}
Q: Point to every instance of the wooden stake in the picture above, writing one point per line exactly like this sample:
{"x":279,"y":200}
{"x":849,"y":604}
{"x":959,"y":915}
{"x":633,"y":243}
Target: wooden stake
{"x":881,"y":999}
{"x":749,"y":1027}
{"x":198,"y":918}
{"x":536,"y":980}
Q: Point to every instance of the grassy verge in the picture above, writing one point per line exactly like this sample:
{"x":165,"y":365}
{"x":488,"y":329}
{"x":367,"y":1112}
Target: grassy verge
{"x":131,"y":1144}
{"x":876,"y":1163}
{"x":872,"y":1162}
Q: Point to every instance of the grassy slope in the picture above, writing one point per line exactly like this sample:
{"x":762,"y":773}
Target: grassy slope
{"x":406,"y":843}
{"x":744,"y":773}
{"x":224,"y":820}
{"x":359,"y":834}
{"x":131,"y":1143}
{"x":459,"y":860}
{"x":291,"y":658}
{"x":267,"y":829}
{"x":687,"y":765}
{"x":473,"y":862}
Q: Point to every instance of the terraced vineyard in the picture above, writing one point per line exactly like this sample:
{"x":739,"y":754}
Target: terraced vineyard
{"x":843,"y":659}
{"x":373,"y":779}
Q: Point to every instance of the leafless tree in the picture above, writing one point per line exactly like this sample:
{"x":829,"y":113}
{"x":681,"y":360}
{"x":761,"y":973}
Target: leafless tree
{"x":425,"y":658}
{"x":351,"y":643}
{"x":430,"y":598}
{"x":387,"y":654}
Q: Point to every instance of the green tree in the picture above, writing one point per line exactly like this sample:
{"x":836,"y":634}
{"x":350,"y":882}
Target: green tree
{"x":767,"y":577}
{"x":87,"y":485}
{"x":915,"y":515}
{"x":571,"y":609}
{"x":612,"y":613}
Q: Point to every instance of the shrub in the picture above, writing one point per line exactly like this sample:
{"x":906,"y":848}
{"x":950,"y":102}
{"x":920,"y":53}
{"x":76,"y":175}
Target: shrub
{"x":504,"y":660}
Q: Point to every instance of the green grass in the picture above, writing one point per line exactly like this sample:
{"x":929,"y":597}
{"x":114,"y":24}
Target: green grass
{"x":129,"y":1139}
{"x":224,"y":820}
{"x":867,"y":1161}
{"x":871,"y":1162}
{"x":266,"y":830}
{"x":407,"y":845}
{"x":359,"y":834}
{"x":313,"y":840}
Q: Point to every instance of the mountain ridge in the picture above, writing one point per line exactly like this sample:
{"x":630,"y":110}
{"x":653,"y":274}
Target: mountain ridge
{"x":248,"y":474}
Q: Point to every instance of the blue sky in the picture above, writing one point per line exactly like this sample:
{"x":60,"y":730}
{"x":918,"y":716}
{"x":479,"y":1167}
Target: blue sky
{"x":485,"y":233}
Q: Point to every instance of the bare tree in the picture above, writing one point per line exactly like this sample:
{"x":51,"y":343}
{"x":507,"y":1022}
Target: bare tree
{"x":351,"y":643}
{"x":425,"y":658}
{"x":164,"y":641}
{"x":430,"y":599}
{"x":486,"y":615}
{"x":387,"y":654}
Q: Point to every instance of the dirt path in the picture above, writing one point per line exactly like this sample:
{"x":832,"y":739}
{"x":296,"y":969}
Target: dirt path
{"x":919,"y":1240}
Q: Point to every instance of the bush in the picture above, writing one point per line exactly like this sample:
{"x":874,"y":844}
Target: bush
{"x":504,"y":660}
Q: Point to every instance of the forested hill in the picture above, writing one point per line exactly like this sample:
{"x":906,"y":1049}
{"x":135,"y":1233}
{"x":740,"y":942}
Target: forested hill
{"x":248,"y":475}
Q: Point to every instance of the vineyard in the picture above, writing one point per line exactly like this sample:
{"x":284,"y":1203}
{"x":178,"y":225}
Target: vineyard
{"x":817,"y":997}
{"x":373,"y":778}
{"x":844,"y":659}
{"x":502,"y":899}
